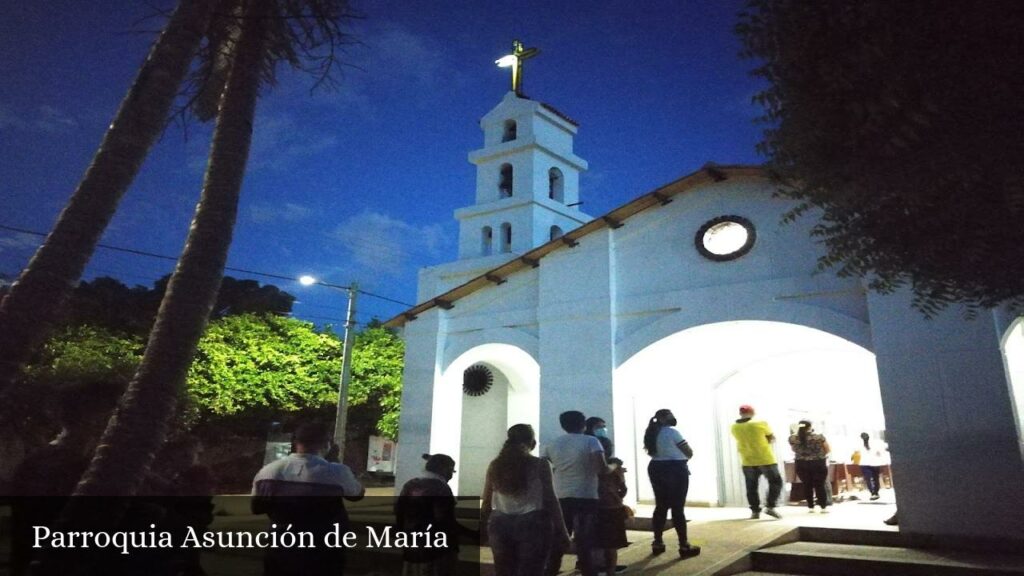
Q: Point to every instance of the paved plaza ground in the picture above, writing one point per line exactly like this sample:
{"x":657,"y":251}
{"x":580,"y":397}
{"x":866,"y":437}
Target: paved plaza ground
{"x":726,"y":536}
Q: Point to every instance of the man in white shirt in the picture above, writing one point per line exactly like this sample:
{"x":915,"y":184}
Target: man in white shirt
{"x":576,"y":460}
{"x":305,"y":491}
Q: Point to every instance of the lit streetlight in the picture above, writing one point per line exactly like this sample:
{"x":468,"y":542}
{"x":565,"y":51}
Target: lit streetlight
{"x":341,"y":416}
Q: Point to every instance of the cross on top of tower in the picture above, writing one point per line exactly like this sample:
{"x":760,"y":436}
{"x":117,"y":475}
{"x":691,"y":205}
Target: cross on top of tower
{"x":515,"y":61}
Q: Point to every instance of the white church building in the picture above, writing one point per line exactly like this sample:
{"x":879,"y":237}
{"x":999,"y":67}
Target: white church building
{"x":695,"y":297}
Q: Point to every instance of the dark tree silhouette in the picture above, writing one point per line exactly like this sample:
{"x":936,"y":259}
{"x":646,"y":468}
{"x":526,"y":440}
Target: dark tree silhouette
{"x":33,"y":303}
{"x":900,"y":124}
{"x":258,"y":34}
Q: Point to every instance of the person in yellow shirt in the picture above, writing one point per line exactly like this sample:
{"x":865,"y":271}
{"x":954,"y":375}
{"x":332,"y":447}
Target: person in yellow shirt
{"x":754,"y":441}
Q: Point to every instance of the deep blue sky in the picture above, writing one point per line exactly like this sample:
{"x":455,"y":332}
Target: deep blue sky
{"x":360,"y":183}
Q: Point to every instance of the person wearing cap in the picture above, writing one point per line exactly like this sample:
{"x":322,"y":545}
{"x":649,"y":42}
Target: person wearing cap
{"x":426,"y":502}
{"x":754,"y":442}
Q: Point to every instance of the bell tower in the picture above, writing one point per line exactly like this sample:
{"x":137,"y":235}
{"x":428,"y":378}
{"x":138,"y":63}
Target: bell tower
{"x":527,"y":180}
{"x":527,"y":185}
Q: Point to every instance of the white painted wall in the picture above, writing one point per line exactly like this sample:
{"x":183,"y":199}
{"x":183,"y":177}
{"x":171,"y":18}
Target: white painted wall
{"x":951,"y":431}
{"x":585,"y":312}
{"x":1013,"y":354}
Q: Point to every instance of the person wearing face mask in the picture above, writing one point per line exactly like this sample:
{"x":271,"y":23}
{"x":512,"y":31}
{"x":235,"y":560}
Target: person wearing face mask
{"x":303,"y":492}
{"x":670,"y":478}
{"x":610,"y":533}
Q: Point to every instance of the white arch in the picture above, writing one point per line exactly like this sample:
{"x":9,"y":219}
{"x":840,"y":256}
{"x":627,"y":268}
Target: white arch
{"x":518,"y":376}
{"x":845,"y":327}
{"x":703,"y":372}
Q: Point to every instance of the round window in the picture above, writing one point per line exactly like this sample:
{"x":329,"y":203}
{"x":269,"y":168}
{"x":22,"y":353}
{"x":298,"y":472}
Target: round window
{"x":725,"y":238}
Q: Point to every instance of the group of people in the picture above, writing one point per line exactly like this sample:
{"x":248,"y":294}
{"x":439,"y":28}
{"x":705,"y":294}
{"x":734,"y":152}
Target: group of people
{"x":534,"y":507}
{"x":537,"y":508}
{"x":811,"y":450}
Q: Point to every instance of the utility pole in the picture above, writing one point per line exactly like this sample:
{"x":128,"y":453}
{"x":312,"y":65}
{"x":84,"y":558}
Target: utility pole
{"x":341,"y":418}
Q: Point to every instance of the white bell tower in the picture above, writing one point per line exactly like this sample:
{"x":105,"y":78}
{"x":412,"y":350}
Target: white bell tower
{"x":527,"y":186}
{"x":527,"y":181}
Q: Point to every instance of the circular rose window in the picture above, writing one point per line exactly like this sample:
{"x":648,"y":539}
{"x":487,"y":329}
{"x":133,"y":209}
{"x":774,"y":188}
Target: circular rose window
{"x":725,"y":238}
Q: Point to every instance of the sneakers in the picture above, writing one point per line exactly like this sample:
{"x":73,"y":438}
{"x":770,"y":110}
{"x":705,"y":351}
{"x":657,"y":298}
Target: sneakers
{"x":810,"y":510}
{"x":824,"y":510}
{"x":657,"y":548}
{"x":755,"y":515}
{"x":689,"y":551}
{"x":771,"y":512}
{"x":875,"y":496}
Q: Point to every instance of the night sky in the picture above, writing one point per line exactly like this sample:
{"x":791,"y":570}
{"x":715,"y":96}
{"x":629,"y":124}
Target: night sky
{"x":359,"y":184}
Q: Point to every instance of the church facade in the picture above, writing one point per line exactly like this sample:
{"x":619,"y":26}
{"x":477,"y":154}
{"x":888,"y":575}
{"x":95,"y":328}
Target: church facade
{"x":696,"y":297}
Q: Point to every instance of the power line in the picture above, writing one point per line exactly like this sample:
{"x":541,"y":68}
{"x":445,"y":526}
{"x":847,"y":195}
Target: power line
{"x":372,"y":295}
{"x":174,"y":259}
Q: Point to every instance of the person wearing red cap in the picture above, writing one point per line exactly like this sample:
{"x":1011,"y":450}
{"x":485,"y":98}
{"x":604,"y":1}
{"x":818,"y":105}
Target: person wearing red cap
{"x":754,"y":441}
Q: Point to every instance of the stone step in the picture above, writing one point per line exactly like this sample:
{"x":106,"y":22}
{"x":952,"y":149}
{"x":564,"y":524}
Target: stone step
{"x":818,"y":558}
{"x":859,"y":537}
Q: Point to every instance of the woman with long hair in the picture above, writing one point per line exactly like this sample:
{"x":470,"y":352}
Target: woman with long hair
{"x":872,"y":458}
{"x":811,"y":451}
{"x":520,"y":509}
{"x":670,"y":478}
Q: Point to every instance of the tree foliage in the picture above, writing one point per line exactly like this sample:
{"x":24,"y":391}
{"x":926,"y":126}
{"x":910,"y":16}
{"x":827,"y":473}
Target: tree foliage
{"x":78,"y":354}
{"x":901,"y":123}
{"x":264,"y":361}
{"x":260,"y":366}
{"x":276,"y":365}
{"x":108,"y":303}
{"x":377,"y":363}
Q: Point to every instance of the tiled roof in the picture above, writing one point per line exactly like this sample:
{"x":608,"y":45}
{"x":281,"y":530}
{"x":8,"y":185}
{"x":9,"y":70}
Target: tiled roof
{"x":558,"y":113}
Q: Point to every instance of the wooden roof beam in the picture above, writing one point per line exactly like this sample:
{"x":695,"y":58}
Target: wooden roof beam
{"x":612,"y":222}
{"x":498,"y":280}
{"x":715,"y":172}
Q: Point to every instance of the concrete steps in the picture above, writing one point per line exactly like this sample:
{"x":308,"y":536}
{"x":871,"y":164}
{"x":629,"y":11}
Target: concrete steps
{"x":837,"y":552}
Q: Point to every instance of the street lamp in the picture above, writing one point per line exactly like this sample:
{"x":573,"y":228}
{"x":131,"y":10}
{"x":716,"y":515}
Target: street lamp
{"x":341,"y":417}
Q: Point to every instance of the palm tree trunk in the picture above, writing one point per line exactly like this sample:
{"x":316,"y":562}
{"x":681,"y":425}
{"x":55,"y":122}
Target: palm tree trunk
{"x":30,"y":308}
{"x":138,"y":427}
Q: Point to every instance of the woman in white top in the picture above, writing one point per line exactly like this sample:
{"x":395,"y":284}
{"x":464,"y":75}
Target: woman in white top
{"x":670,"y":478}
{"x":872,"y":458}
{"x":520,"y":509}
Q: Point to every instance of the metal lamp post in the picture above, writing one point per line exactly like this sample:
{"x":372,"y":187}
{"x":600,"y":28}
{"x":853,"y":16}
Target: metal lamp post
{"x":341,"y":416}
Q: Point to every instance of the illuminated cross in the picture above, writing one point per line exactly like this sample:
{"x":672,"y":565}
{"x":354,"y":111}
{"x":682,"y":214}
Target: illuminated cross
{"x":515,"y":61}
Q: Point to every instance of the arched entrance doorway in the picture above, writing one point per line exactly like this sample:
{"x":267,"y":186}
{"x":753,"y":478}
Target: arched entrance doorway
{"x":471,"y":426}
{"x":787,"y":371}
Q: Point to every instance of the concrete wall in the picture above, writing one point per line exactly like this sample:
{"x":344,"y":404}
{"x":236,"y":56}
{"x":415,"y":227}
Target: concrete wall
{"x":951,"y":428}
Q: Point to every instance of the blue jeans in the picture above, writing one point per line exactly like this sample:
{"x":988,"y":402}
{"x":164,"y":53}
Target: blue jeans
{"x":870,"y":474}
{"x":580,"y":516}
{"x":752,"y":474}
{"x":671,"y":482}
{"x":520,"y":542}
